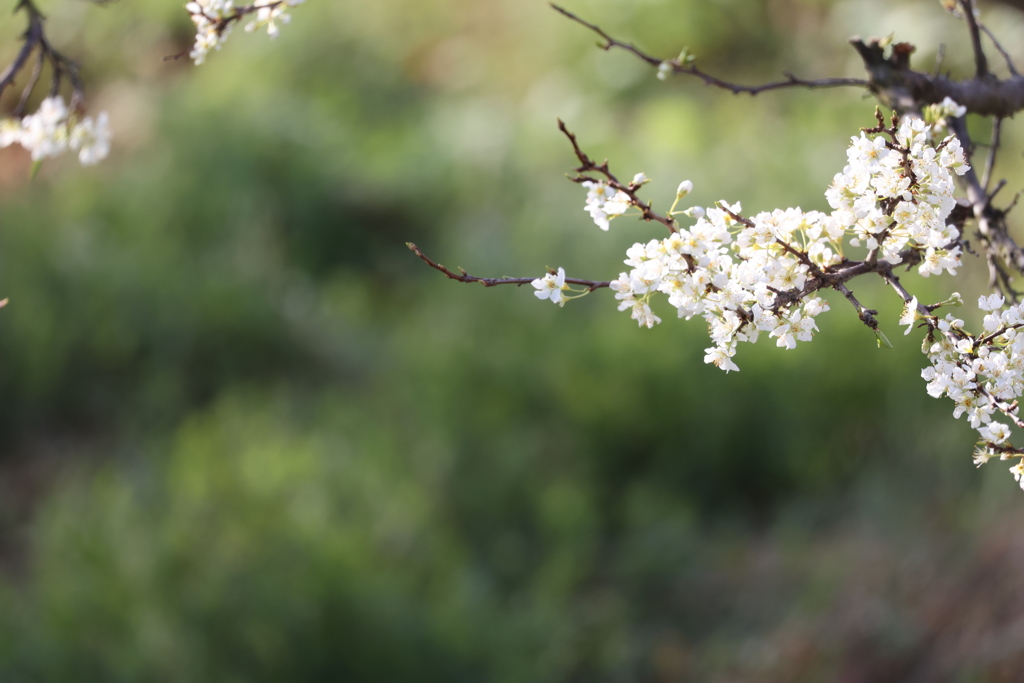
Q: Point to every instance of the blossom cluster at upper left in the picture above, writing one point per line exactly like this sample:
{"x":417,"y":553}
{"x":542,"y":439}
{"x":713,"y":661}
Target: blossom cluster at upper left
{"x":215,"y":18}
{"x":54,"y":129}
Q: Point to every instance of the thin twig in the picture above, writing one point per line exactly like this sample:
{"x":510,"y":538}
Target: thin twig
{"x":885,"y":270}
{"x":997,"y":125}
{"x":31,"y":37}
{"x":34,"y":38}
{"x":1004,"y":53}
{"x":980,"y":61}
{"x":33,"y":80}
{"x":866,"y":315}
{"x":999,"y":186}
{"x":691,"y":70}
{"x":940,"y":57}
{"x":587,"y":165}
{"x":463,"y":276}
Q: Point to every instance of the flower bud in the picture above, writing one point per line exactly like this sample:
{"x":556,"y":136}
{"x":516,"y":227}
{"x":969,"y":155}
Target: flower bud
{"x":685,"y":188}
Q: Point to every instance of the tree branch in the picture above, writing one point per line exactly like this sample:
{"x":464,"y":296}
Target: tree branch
{"x":986,"y":178}
{"x":980,"y":61}
{"x":587,"y":165}
{"x":691,"y":70}
{"x":34,"y":38}
{"x":463,"y":276}
{"x":866,"y":315}
{"x":1006,"y":57}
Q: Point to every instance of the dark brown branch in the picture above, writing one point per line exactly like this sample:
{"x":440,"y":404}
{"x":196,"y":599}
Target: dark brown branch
{"x":463,"y":276}
{"x":899,"y":87}
{"x":742,"y":220}
{"x":34,"y":38}
{"x":891,"y":79}
{"x":691,"y":70}
{"x":986,"y":178}
{"x":980,"y":61}
{"x":999,"y":186}
{"x":884,"y":269}
{"x":33,"y":80}
{"x":866,"y":315}
{"x":587,"y":165}
{"x":1006,"y":56}
{"x":609,"y":42}
{"x":1008,"y":451}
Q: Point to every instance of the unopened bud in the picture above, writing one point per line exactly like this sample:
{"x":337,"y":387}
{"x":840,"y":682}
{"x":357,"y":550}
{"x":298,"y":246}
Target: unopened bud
{"x":685,"y":188}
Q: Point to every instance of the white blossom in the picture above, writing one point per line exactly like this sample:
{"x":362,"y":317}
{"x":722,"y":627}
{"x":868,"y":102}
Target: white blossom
{"x":909,"y":316}
{"x":214,"y":20}
{"x":720,"y":357}
{"x":604,"y":202}
{"x":10,"y":132}
{"x":212,"y":29}
{"x":270,"y":14}
{"x":996,"y":432}
{"x":1018,"y":473}
{"x":551,"y":287}
{"x":991,"y":303}
{"x":91,"y":139}
{"x":53,"y":129}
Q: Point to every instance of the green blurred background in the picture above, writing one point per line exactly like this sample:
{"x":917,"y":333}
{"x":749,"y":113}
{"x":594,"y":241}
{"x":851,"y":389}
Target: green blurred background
{"x":245,"y":435}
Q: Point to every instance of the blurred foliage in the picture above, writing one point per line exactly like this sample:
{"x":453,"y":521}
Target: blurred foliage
{"x":249,"y":437}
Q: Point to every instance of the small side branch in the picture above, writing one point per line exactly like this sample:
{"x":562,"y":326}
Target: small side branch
{"x":885,"y":270}
{"x":609,"y":42}
{"x":986,"y":178}
{"x":34,"y":39}
{"x":980,"y":61}
{"x":30,"y":38}
{"x":866,"y":315}
{"x":1006,"y":56}
{"x":587,"y":165}
{"x":691,"y":70}
{"x":463,"y":276}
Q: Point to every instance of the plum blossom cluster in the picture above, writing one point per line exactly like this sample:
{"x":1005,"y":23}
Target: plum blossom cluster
{"x":895,"y":195}
{"x":604,"y":202}
{"x":732,"y":273}
{"x":53,"y":130}
{"x":982,"y":374}
{"x":757,"y":276}
{"x":272,"y":15}
{"x":215,"y":18}
{"x":939,"y":114}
